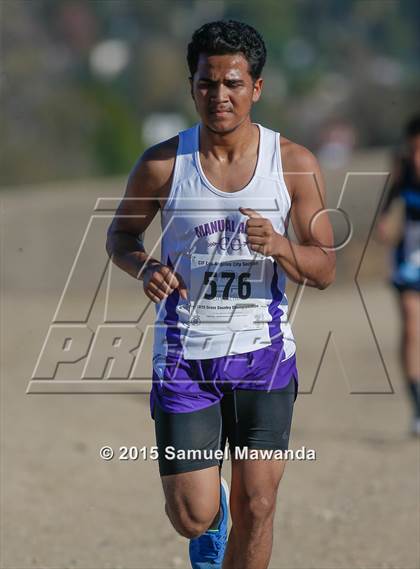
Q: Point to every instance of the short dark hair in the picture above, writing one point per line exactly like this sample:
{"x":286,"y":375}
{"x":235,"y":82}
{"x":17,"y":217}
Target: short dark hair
{"x":224,"y":37}
{"x":413,"y":126}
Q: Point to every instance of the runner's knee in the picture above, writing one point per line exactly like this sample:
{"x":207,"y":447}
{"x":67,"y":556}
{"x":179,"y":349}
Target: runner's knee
{"x":191,"y":524}
{"x":253,"y":510}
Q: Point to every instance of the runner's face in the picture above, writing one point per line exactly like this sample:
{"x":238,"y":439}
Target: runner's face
{"x":224,"y":91}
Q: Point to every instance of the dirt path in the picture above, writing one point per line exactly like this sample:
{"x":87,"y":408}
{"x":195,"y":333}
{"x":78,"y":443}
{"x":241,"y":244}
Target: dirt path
{"x":356,"y":506}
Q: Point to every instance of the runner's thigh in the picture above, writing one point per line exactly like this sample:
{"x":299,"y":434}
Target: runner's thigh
{"x":259,"y":419}
{"x":182,"y":438}
{"x":191,"y":483}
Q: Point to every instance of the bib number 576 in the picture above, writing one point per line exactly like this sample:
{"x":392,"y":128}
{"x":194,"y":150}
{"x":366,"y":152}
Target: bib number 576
{"x":243,"y":285}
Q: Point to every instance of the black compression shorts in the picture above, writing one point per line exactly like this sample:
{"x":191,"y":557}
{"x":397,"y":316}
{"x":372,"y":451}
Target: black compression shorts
{"x":245,"y":417}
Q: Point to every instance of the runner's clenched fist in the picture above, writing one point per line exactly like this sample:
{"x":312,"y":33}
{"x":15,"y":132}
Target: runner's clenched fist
{"x":262,"y":238}
{"x":159,"y":281}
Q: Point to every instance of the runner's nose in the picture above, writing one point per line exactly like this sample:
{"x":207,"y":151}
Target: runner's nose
{"x":219,"y":93}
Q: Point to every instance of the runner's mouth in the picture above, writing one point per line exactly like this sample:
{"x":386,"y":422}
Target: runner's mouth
{"x":220,"y":112}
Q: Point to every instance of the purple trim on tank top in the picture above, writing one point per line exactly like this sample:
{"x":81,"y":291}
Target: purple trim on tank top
{"x":173,"y":334}
{"x":274,"y":308}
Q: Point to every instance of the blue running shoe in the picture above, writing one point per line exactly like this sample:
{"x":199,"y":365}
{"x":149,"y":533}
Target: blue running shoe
{"x":207,"y":550}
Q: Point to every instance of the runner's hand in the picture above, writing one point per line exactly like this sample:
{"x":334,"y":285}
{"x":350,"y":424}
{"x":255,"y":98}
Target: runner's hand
{"x":159,"y":281}
{"x":262,"y":238}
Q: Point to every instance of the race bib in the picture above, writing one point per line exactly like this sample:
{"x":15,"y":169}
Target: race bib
{"x":228,"y":292}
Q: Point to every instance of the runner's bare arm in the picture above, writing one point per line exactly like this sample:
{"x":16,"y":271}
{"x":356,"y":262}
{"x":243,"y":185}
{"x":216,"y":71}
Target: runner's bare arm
{"x":147,"y":188}
{"x":311,"y":261}
{"x":313,"y":258}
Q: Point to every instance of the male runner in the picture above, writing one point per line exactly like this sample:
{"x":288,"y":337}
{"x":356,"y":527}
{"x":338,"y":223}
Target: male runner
{"x":224,"y":363}
{"x":406,"y":258}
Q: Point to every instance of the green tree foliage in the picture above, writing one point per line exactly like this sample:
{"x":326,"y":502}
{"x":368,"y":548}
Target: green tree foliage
{"x":63,"y":116}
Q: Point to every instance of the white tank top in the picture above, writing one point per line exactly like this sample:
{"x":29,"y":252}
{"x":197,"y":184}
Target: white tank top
{"x":236,"y":298}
